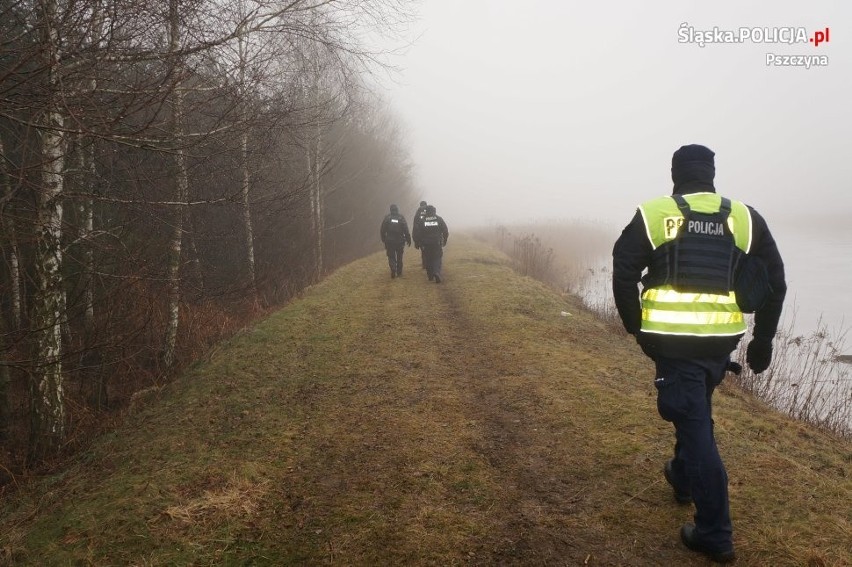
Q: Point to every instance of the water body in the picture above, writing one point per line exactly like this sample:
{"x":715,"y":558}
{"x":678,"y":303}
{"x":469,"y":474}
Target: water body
{"x":817,"y":254}
{"x":818,"y":262}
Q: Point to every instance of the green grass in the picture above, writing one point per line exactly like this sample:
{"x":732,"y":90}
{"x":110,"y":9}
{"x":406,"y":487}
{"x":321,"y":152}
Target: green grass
{"x":388,"y":422}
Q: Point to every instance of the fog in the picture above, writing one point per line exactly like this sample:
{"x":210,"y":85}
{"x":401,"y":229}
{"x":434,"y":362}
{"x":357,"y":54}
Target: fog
{"x":563,"y":109}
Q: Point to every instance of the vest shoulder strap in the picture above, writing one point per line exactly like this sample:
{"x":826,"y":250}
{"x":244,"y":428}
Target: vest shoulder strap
{"x":681,"y":204}
{"x":725,"y":207}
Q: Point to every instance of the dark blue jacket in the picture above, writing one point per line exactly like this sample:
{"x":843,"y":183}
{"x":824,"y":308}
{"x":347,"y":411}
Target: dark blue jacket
{"x":394,"y":231}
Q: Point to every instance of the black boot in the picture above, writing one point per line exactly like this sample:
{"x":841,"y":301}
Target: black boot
{"x":687,"y":536}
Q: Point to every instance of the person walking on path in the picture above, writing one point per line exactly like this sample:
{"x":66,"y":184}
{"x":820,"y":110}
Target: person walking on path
{"x":394,"y":234}
{"x":709,"y":260}
{"x":418,"y":218}
{"x":431,"y":235}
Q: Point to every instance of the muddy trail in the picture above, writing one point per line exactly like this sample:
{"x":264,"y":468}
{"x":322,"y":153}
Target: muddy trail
{"x":485,"y":420}
{"x":481,"y":448}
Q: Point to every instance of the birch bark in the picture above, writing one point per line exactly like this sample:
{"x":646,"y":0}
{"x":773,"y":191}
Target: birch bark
{"x":47,"y":431}
{"x":181,"y":190}
{"x":244,"y":166}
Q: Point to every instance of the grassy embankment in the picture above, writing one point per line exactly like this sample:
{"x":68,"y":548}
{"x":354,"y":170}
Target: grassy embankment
{"x":378,"y":421}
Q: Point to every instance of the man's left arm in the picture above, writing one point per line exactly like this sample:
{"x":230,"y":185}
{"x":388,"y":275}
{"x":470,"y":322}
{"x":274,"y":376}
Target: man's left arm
{"x":764,"y":247}
{"x":759,"y":350}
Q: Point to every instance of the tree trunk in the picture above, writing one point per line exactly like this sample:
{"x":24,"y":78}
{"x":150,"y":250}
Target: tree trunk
{"x":244,"y":166}
{"x":90,"y":361}
{"x":47,"y":431}
{"x":181,"y":190}
{"x":80,"y":158}
{"x":5,"y":385}
{"x":8,"y":228}
{"x":48,"y":411}
{"x":249,"y":230}
{"x":315,"y":187}
{"x":175,"y":248}
{"x":190,"y":232}
{"x":91,"y":358}
{"x":319,"y":214}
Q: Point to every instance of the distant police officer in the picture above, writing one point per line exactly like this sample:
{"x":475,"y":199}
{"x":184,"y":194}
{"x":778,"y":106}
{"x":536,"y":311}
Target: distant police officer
{"x":394,"y":234}
{"x":418,"y":218}
{"x":689,"y":318}
{"x":421,"y":211}
{"x":430,"y":235}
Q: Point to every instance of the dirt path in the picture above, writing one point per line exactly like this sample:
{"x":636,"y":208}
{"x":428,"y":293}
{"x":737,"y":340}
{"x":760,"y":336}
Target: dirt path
{"x":535,"y":492}
{"x":481,"y":448}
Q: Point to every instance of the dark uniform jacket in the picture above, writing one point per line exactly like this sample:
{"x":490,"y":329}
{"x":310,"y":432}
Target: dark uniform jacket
{"x":430,"y":230}
{"x":419,"y":214}
{"x":394,"y":231}
{"x":632,"y":254}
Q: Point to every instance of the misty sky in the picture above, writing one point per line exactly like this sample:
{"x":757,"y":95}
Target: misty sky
{"x":554,"y":109}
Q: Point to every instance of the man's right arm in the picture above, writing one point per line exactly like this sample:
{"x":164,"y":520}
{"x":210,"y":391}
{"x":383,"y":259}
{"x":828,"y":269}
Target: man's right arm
{"x":630,"y":256}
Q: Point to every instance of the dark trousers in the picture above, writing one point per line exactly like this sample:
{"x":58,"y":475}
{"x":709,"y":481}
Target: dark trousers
{"x":432,"y":254}
{"x":395,"y":257}
{"x":684,"y":397}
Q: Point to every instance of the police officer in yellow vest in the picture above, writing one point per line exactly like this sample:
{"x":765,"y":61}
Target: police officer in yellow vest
{"x":688,"y":320}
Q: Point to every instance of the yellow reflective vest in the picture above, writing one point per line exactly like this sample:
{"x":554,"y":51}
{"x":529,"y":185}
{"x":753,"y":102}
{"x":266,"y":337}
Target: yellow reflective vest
{"x":670,"y":312}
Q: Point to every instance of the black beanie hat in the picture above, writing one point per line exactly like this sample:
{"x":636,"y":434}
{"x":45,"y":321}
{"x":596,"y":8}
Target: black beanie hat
{"x":693,"y":163}
{"x":394,"y":209}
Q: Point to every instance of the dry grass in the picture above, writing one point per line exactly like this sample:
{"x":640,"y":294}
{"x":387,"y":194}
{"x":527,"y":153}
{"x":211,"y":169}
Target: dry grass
{"x":398,"y":422}
{"x":808,"y":378}
{"x":240,"y":498}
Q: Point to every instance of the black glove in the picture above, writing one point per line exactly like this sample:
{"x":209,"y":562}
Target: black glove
{"x":416,"y":246}
{"x":759,"y":354}
{"x":734,"y":367}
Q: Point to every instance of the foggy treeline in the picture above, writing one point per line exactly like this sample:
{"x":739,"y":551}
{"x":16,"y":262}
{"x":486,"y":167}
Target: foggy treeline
{"x":168,"y":170}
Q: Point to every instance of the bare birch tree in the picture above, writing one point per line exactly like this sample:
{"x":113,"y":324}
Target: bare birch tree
{"x":181,"y":188}
{"x":46,"y":387}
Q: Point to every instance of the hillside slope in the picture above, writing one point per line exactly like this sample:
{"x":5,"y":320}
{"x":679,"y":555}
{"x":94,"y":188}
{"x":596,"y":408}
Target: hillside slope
{"x":388,"y":422}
